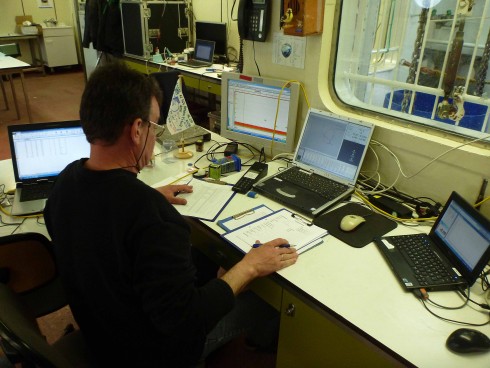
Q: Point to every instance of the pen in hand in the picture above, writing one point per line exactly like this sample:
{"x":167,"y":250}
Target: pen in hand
{"x":256,"y":245}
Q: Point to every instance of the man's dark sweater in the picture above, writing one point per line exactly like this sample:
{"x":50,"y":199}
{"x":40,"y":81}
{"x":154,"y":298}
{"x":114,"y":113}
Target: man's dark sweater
{"x":124,"y":256}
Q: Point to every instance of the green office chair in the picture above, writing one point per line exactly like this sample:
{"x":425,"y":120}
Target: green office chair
{"x":30,"y":288}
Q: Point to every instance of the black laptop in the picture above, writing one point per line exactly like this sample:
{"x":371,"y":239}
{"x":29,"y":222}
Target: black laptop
{"x":39,"y":153}
{"x":453,"y":254}
{"x":203,"y":55}
{"x":325,"y":166}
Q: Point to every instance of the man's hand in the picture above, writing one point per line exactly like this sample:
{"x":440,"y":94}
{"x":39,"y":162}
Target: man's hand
{"x":170,"y":192}
{"x":261,"y":261}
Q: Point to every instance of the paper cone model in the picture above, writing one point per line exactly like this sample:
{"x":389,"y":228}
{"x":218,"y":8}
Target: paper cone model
{"x":179,"y":117}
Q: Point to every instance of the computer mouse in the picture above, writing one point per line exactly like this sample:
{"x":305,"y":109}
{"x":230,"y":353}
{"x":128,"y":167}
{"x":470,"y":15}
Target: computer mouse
{"x":467,"y":340}
{"x":351,"y":222}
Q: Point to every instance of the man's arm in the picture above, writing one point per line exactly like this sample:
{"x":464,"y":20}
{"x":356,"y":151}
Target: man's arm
{"x":261,"y":261}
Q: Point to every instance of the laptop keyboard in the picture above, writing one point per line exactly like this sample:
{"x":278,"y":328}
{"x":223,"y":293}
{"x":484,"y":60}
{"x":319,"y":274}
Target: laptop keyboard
{"x":427,"y":266}
{"x":35,"y":191}
{"x":195,"y":63}
{"x":316,"y":183}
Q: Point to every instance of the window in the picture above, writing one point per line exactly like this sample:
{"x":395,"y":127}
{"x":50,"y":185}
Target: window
{"x":424,"y":61}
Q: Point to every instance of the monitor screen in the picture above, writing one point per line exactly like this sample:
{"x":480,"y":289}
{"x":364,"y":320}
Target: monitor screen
{"x":211,"y":31}
{"x":248,"y":111}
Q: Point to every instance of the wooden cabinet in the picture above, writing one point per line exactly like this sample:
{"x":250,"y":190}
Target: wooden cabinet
{"x":309,"y":338}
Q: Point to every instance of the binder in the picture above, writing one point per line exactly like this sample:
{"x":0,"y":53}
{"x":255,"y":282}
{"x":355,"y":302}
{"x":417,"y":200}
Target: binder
{"x":300,"y":233}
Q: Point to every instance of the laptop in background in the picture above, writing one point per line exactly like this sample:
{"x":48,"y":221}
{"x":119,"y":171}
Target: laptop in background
{"x":203,"y":55}
{"x":458,"y":244}
{"x":326,"y":164}
{"x":39,"y":153}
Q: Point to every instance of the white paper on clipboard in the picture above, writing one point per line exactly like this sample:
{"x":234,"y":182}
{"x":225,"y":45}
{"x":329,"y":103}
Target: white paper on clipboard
{"x":281,"y":224}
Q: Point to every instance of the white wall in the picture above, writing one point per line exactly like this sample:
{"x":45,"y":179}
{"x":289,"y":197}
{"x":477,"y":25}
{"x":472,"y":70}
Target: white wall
{"x":462,"y":170}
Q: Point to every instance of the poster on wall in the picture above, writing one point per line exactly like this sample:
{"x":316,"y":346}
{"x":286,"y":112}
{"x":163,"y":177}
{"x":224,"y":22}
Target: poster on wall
{"x":45,"y":3}
{"x":289,"y":50}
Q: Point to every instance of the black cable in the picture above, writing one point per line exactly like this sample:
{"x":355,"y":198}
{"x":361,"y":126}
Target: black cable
{"x":240,"y":56}
{"x":255,"y":59}
{"x":451,"y":320}
{"x":467,"y":299}
{"x":481,"y":305}
{"x":18,"y":225}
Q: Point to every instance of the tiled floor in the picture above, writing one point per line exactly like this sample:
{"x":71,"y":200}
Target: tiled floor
{"x":56,"y":97}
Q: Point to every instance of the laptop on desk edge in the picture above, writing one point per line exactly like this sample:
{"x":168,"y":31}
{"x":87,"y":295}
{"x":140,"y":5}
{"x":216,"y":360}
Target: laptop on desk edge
{"x":330,"y":146}
{"x":460,"y":238}
{"x":203,"y":55}
{"x":39,"y":153}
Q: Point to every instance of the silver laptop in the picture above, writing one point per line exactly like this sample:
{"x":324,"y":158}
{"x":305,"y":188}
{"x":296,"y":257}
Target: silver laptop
{"x":39,"y":153}
{"x":326,"y":164}
{"x":203,"y":55}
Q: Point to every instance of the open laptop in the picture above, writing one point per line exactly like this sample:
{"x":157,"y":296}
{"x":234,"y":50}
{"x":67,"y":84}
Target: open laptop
{"x":39,"y":153}
{"x":459,"y":241}
{"x":326,"y":164}
{"x":203,"y":55}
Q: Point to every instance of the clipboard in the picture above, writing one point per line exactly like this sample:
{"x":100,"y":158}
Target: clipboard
{"x":244,"y":218}
{"x":280,"y":224}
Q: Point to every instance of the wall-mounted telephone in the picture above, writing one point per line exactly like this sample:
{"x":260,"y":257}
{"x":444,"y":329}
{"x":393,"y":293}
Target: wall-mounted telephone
{"x":254,"y":19}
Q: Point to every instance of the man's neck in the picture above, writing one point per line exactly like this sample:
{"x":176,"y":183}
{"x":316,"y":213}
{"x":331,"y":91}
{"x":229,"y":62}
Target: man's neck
{"x":111,"y":157}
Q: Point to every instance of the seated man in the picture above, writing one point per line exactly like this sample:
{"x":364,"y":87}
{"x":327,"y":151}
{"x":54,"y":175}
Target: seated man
{"x":124,"y":252}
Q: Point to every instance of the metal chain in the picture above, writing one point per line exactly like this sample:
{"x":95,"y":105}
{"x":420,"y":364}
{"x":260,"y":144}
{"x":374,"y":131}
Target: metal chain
{"x":481,"y":74}
{"x":407,"y":94}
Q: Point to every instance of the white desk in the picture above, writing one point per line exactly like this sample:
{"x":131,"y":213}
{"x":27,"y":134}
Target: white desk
{"x":10,"y":66}
{"x":34,"y":48}
{"x":350,"y":290}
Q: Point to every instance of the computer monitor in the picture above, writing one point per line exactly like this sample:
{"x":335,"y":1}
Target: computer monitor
{"x":212,"y":31}
{"x":248,"y":111}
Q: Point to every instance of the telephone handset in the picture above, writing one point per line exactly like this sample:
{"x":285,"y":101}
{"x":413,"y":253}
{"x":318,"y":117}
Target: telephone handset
{"x":254,"y":19}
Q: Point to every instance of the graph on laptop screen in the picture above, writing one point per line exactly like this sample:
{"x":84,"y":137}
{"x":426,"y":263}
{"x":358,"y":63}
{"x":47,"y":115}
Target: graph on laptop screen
{"x":248,"y":111}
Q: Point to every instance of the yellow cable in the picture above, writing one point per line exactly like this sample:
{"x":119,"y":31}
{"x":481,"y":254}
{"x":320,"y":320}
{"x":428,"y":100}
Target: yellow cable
{"x":30,"y":216}
{"x":277,"y":107}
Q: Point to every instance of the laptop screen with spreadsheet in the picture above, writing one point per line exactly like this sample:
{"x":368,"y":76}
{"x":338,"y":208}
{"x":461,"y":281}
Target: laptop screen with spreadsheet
{"x":41,"y":151}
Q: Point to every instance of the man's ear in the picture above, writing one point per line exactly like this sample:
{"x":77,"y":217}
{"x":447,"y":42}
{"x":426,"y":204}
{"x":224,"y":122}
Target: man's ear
{"x":137,"y":130}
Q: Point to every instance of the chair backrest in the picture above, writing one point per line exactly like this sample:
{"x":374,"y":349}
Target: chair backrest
{"x":19,"y":331}
{"x":28,"y":267}
{"x":10,"y":49}
{"x":166,"y":81}
{"x":26,"y":261}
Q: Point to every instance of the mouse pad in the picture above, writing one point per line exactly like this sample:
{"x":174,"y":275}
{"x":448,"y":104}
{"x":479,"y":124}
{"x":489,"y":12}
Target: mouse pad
{"x":375,"y":225}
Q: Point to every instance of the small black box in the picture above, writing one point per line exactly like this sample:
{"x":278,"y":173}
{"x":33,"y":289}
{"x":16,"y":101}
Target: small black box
{"x":231,"y":148}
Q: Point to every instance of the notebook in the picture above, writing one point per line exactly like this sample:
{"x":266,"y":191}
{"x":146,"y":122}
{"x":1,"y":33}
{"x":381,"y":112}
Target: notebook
{"x":326,"y":164}
{"x":459,"y":240}
{"x":39,"y":153}
{"x":203,"y":55}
